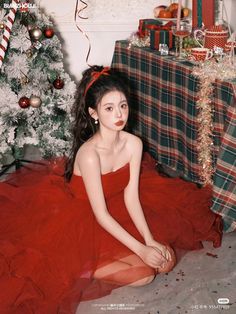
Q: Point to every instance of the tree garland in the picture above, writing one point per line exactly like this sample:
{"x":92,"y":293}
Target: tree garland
{"x":205,"y":129}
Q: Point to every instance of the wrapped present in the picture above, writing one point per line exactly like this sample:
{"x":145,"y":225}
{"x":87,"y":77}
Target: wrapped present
{"x":145,"y":25}
{"x":203,"y":13}
{"x":161,"y":36}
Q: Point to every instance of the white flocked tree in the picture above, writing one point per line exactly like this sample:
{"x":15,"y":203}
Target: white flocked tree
{"x":36,"y":93}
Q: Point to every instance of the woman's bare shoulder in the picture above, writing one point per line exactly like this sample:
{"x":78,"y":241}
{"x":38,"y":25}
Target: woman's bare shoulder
{"x":86,"y":156}
{"x":132,"y":140}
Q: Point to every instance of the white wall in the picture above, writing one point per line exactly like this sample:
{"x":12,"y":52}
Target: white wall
{"x":230,"y":13}
{"x":108,"y":21}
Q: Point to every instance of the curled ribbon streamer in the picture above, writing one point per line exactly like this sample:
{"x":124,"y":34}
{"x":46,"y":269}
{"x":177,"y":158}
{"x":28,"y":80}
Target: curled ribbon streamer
{"x":82,"y":9}
{"x":77,"y":12}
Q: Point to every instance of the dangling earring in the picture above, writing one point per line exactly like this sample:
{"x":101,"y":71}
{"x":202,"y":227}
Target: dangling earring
{"x":96,"y":121}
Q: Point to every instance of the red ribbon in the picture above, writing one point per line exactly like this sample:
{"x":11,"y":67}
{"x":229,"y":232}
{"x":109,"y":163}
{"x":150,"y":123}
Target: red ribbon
{"x":155,"y":27}
{"x":95,"y":76}
{"x":145,"y":29}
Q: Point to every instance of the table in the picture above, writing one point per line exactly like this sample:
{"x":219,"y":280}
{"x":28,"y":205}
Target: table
{"x":163,"y":99}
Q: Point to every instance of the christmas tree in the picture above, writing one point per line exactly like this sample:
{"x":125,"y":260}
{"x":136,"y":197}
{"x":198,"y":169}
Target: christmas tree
{"x":36,"y":94}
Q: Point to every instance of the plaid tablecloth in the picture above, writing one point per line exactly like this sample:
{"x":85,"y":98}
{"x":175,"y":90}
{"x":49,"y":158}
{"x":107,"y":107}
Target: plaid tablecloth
{"x":163,"y":99}
{"x":224,"y":188}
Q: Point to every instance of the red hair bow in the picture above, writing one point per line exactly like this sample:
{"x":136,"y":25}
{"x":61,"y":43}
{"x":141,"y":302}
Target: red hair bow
{"x":95,"y":76}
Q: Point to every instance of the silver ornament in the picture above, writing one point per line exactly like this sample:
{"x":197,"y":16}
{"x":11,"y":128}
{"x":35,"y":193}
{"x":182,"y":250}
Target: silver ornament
{"x":35,"y":101}
{"x":36,"y":33}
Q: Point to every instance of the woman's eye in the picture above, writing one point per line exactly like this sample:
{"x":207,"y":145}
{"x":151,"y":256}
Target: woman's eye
{"x":124,"y":106}
{"x":108,"y":108}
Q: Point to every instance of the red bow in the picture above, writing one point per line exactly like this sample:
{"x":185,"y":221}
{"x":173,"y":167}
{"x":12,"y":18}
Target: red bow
{"x":95,"y":76}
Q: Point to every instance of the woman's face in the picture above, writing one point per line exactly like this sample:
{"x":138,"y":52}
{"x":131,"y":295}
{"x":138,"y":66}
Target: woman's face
{"x":113,"y":110}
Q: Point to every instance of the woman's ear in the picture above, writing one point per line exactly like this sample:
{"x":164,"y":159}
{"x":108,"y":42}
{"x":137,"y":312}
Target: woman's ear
{"x":93,"y":113}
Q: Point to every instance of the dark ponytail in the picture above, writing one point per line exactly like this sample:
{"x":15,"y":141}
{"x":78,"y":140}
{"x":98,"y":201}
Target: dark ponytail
{"x":89,"y":93}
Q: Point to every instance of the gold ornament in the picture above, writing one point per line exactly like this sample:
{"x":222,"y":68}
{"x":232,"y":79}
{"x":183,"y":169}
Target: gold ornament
{"x":24,"y":80}
{"x":2,"y":25}
{"x":35,"y":101}
{"x":29,"y":53}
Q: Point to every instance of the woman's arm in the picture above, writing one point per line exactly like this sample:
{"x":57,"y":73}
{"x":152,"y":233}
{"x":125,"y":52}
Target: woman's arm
{"x":89,"y":165}
{"x":131,"y":195}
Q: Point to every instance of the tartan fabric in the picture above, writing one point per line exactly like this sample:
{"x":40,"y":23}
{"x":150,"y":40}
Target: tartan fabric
{"x":163,"y":102}
{"x":224,"y":188}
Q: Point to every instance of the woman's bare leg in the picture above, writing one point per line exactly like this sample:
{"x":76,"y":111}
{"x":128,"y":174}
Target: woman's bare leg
{"x":131,"y":271}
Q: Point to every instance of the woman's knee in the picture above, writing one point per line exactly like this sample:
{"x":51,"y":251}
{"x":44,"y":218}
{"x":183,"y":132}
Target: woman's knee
{"x":142,"y":276}
{"x":143,"y":282}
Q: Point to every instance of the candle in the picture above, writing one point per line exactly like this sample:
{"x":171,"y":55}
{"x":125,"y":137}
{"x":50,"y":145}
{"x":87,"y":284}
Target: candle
{"x":179,"y":14}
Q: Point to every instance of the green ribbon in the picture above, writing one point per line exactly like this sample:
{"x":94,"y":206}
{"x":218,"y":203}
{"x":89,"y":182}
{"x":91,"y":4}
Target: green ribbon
{"x":199,"y":13}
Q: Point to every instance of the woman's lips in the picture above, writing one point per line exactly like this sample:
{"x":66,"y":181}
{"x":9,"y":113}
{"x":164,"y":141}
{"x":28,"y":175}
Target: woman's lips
{"x":119,"y":123}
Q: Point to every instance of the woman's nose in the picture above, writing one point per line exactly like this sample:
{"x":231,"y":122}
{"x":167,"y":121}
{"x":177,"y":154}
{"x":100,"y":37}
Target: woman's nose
{"x":118,"y":113}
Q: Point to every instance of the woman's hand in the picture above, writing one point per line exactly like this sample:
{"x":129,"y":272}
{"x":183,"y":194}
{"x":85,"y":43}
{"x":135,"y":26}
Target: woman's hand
{"x":152,"y":257}
{"x":166,"y":252}
{"x":162,"y":249}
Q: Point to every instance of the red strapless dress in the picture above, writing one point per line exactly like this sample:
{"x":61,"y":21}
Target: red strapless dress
{"x":50,"y":243}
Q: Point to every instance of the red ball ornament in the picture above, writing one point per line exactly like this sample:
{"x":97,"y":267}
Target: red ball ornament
{"x":24,"y":102}
{"x":58,"y":83}
{"x":48,"y":32}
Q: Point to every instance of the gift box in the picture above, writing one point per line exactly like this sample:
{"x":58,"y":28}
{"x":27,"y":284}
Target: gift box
{"x":161,"y":37}
{"x":146,"y":25}
{"x":203,"y":12}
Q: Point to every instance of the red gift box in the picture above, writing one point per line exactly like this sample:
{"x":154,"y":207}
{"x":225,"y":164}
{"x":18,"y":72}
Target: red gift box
{"x":145,"y":25}
{"x":162,"y":34}
{"x":161,"y":37}
{"x":203,"y":12}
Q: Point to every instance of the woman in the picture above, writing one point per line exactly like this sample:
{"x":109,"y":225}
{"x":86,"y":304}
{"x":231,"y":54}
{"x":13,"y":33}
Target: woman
{"x":107,"y":226}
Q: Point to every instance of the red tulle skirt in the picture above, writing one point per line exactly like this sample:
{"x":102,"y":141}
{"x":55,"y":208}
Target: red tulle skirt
{"x":51,"y":244}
